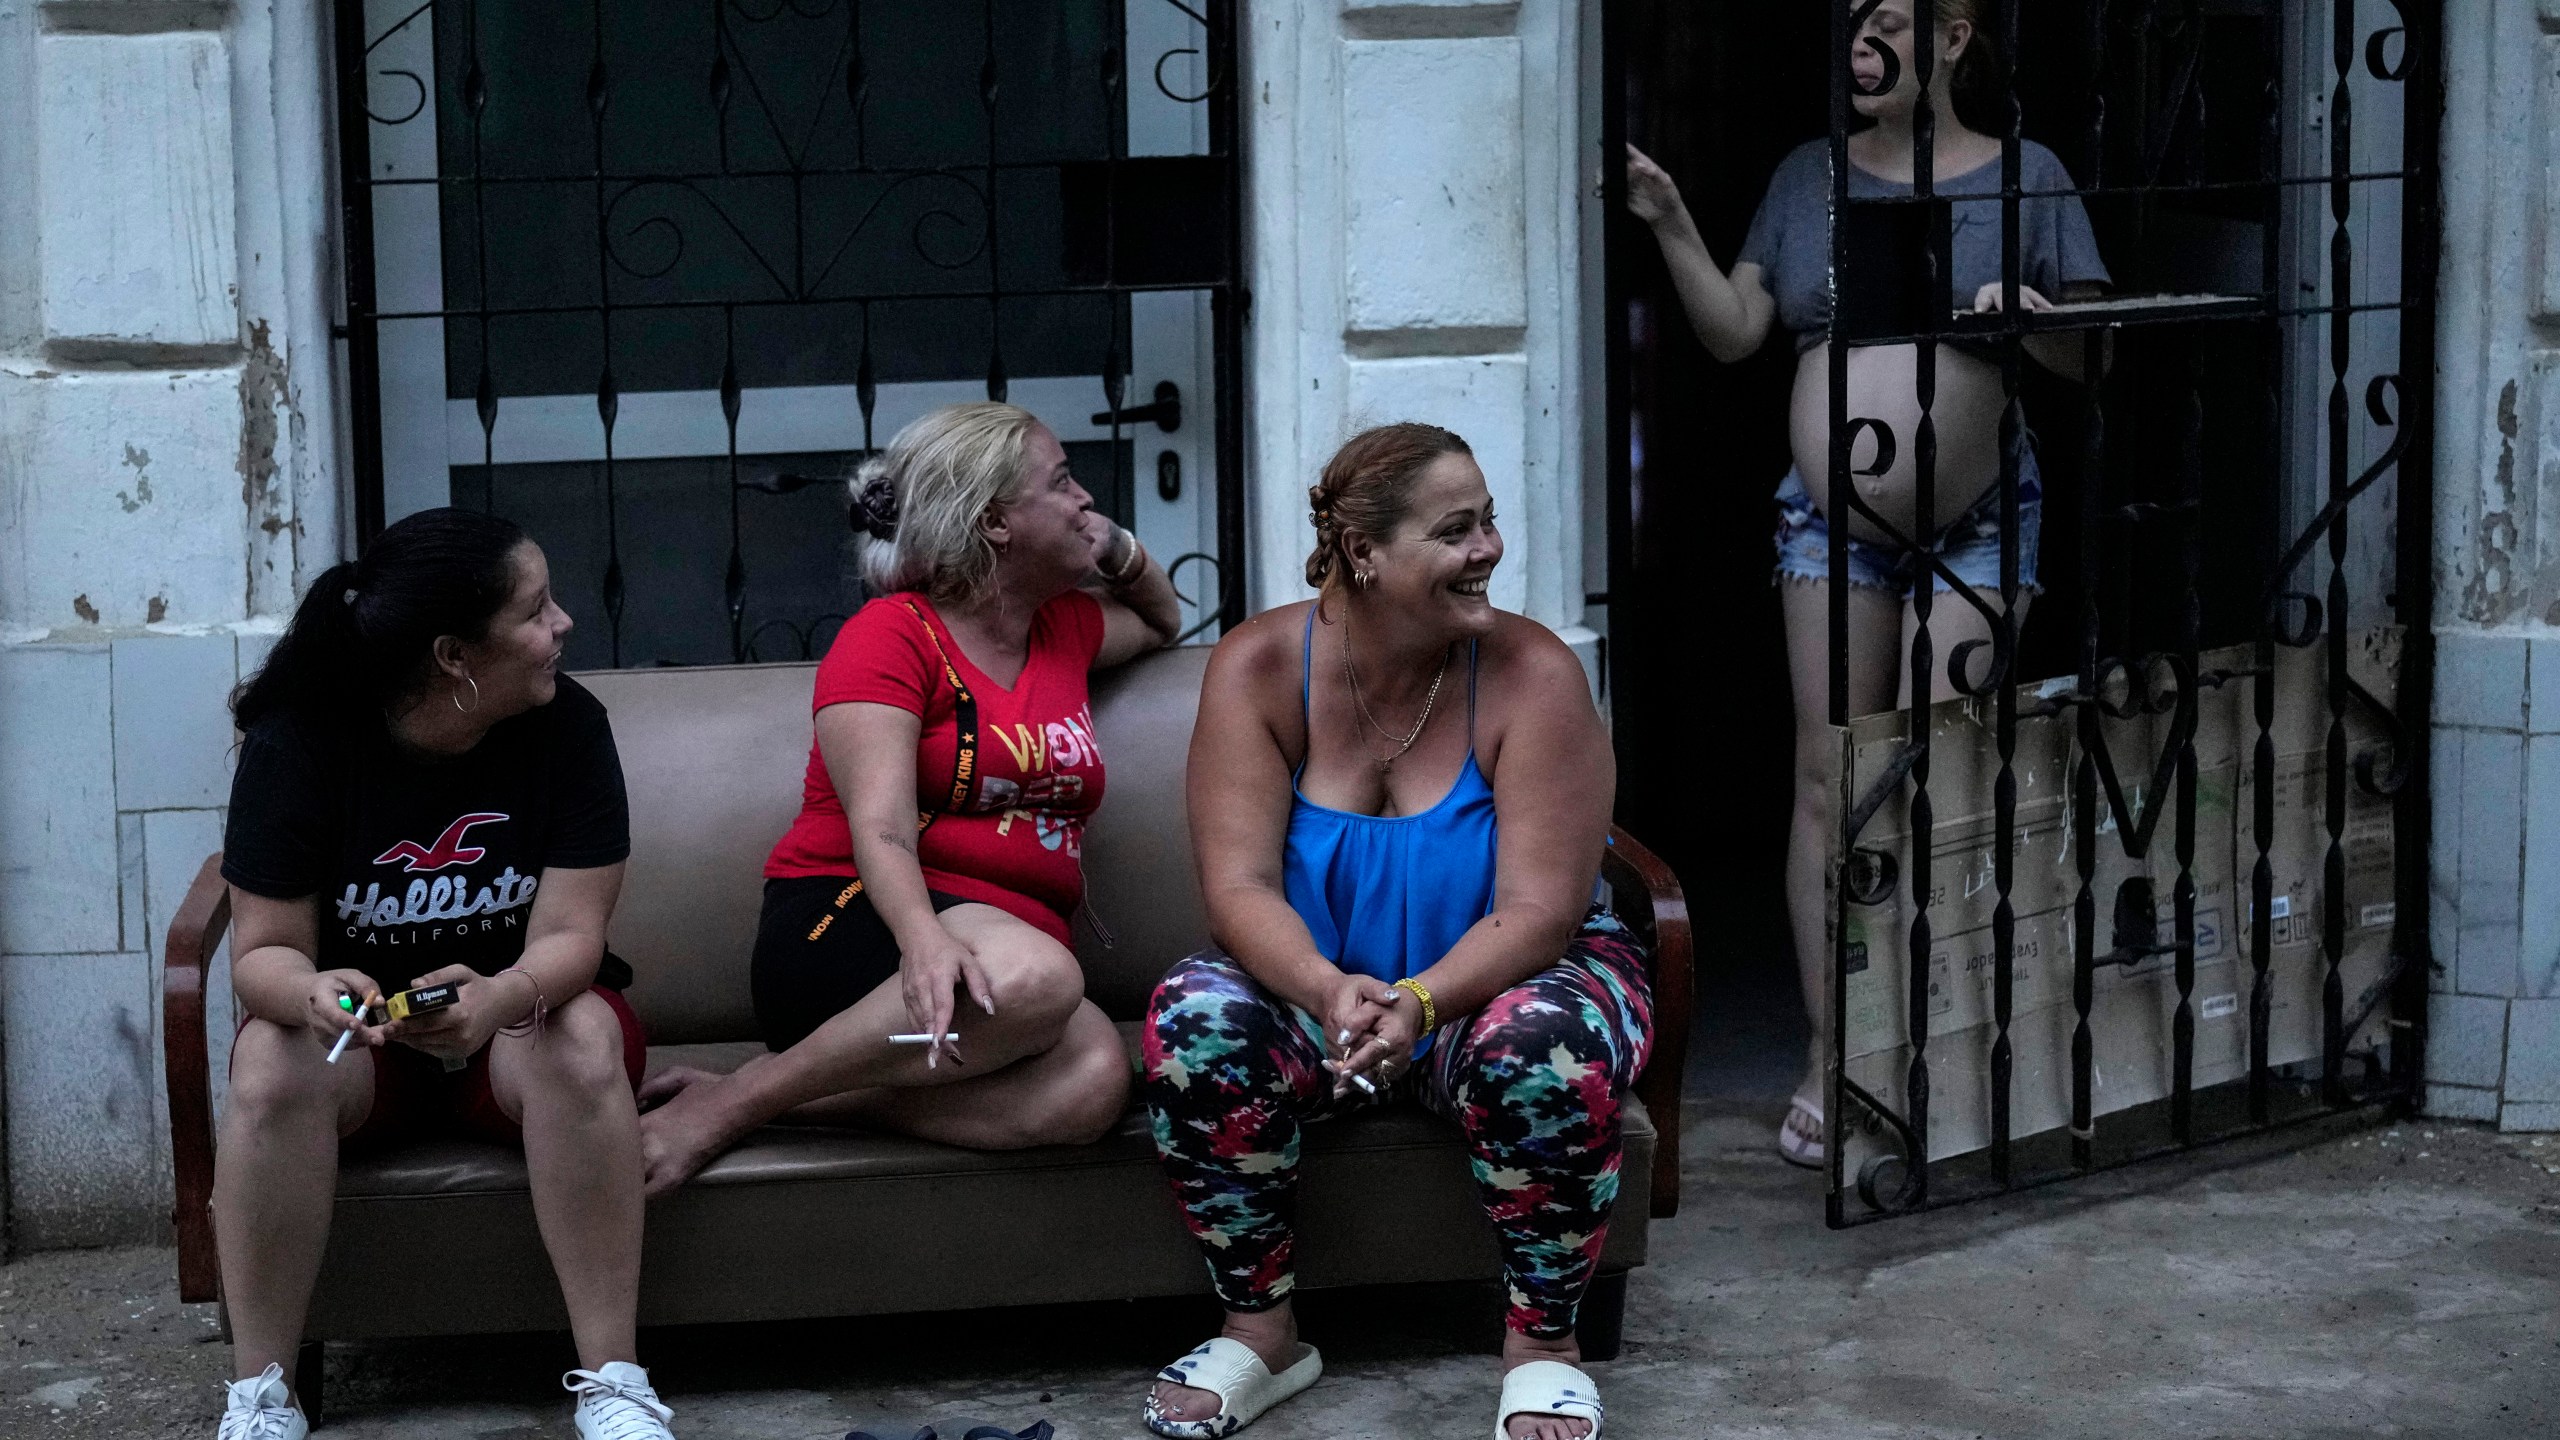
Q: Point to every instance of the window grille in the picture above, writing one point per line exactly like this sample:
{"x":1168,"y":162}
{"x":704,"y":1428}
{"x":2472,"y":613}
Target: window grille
{"x":650,"y":277}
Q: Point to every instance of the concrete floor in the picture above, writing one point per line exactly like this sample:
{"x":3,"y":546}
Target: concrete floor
{"x":2396,"y":1281}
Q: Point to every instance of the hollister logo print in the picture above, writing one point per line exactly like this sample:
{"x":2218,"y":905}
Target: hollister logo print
{"x":448,"y":907}
{"x":447,"y":851}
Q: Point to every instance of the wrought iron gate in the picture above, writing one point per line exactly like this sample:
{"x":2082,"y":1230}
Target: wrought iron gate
{"x":2267,"y":725}
{"x":645,"y":273}
{"x":2175,"y":893}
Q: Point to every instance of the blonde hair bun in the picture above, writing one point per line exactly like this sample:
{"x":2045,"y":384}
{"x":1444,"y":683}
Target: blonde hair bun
{"x":917,"y":505}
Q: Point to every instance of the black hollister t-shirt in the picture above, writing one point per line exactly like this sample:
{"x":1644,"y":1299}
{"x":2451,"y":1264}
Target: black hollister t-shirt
{"x":424,"y":861}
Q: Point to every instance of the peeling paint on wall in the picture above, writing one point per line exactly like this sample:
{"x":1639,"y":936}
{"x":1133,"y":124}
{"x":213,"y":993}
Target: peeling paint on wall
{"x":2490,"y":597}
{"x":262,"y":381}
{"x":266,"y":388}
{"x":81,"y":607}
{"x":139,"y":461}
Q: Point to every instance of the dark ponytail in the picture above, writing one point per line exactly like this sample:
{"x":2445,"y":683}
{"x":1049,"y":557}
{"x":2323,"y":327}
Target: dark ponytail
{"x":364,"y":636}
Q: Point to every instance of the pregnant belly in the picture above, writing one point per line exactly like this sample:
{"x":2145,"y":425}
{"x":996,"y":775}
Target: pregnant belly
{"x":1882,"y":381}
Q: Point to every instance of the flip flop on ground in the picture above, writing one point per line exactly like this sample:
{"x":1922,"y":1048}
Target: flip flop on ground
{"x":1245,"y":1387}
{"x":1548,"y":1387}
{"x":1801,"y":1143}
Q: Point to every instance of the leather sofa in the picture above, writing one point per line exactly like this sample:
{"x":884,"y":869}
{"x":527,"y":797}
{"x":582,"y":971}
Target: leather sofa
{"x":798,"y":1222}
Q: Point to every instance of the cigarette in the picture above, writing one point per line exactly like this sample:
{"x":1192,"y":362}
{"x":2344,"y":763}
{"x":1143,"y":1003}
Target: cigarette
{"x":1363,"y":1082}
{"x":348,"y":1004}
{"x":924,"y":1038}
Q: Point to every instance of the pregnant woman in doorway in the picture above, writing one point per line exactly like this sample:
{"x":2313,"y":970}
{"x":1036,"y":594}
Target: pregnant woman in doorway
{"x":1781,"y":280}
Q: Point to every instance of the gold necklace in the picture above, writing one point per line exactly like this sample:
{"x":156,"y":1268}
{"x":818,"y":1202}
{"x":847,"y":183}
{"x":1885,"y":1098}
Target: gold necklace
{"x":1403,"y":743}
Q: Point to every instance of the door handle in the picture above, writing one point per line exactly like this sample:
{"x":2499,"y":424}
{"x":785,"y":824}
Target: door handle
{"x":1166,"y":412}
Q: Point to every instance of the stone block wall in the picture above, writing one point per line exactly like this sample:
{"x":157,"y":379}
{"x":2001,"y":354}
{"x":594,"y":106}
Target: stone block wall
{"x":164,"y":349}
{"x":2494,"y":1017}
{"x":1417,"y":180}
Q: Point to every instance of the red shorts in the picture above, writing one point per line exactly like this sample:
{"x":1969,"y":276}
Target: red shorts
{"x":413,"y":1094}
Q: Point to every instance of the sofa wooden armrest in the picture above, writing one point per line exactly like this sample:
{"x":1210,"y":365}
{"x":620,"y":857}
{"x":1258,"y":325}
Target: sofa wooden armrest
{"x":193,"y":937}
{"x":1647,"y":896}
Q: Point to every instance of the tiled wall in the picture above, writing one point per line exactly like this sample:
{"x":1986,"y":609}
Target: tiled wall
{"x":119,"y":756}
{"x":2493,"y":1050}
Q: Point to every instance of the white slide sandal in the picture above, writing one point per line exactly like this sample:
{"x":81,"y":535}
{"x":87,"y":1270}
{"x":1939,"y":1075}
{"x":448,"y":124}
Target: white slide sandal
{"x":1245,"y":1387}
{"x":1548,"y":1387}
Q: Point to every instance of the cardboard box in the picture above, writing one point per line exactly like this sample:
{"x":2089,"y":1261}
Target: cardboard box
{"x":2134,"y":1005}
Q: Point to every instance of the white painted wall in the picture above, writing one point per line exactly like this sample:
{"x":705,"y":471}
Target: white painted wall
{"x":1417,"y":185}
{"x":167,"y":476}
{"x":2494,"y":1019}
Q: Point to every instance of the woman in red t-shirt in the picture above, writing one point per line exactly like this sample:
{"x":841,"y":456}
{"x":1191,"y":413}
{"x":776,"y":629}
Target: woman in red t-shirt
{"x":940,"y":837}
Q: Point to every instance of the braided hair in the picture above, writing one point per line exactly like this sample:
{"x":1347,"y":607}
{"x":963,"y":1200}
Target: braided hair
{"x":1367,"y":486}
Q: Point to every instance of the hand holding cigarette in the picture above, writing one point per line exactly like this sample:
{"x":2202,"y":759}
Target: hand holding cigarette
{"x":932,"y":972}
{"x":338,"y":1002}
{"x":348,"y":1004}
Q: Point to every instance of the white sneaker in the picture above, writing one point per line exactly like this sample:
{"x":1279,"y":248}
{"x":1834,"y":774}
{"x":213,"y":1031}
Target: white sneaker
{"x":260,"y":1408}
{"x":614,"y":1403}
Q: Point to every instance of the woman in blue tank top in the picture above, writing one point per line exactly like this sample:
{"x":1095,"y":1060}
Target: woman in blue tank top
{"x":1398,"y":798}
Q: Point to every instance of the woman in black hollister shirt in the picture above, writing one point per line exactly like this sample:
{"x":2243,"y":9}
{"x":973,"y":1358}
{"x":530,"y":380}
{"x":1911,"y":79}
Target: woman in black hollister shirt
{"x":421,"y":799}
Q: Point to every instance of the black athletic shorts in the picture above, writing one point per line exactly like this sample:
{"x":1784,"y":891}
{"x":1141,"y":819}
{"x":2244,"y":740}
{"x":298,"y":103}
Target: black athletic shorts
{"x":819,"y":948}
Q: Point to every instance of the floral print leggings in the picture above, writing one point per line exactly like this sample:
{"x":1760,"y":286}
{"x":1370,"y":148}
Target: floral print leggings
{"x":1534,"y":1079}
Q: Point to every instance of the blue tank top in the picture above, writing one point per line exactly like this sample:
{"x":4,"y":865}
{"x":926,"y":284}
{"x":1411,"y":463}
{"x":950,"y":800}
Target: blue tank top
{"x":1388,"y":895}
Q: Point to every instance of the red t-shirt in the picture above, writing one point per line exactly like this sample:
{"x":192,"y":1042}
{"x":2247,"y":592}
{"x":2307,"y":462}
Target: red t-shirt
{"x":1017,"y":842}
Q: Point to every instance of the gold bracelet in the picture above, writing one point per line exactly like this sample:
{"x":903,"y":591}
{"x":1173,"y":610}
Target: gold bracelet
{"x":532,"y":1023}
{"x":1131,"y":567}
{"x":1430,"y":1012}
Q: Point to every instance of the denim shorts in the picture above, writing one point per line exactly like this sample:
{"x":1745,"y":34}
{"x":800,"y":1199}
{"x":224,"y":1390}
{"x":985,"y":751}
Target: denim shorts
{"x":1969,"y":546}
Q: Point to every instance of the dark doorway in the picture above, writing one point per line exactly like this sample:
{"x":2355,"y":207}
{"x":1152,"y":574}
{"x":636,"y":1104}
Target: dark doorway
{"x":1717,"y":94}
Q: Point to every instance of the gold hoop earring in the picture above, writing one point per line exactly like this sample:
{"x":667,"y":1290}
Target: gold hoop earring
{"x":475,"y":696}
{"x":1361,"y":578}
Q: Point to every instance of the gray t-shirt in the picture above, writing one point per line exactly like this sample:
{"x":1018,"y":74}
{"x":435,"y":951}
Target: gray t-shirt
{"x":1790,"y":238}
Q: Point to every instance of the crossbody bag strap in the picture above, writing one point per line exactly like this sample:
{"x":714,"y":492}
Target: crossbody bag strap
{"x":964,"y":758}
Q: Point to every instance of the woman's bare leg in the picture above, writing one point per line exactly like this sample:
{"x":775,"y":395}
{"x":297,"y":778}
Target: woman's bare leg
{"x":1875,"y":624}
{"x":1070,"y":1094}
{"x":275,"y":1178}
{"x":567,"y":1087}
{"x":1038,"y":988}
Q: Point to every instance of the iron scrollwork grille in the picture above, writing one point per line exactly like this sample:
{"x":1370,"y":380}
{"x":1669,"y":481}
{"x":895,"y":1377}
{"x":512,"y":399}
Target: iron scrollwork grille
{"x":2189,"y":614}
{"x":648,"y":275}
